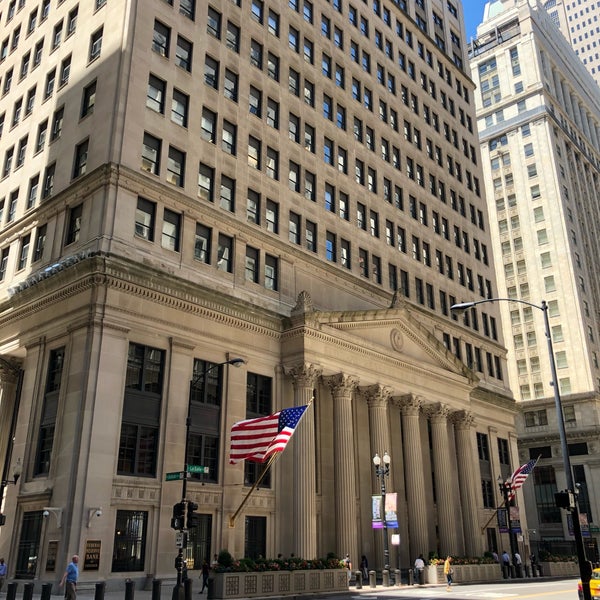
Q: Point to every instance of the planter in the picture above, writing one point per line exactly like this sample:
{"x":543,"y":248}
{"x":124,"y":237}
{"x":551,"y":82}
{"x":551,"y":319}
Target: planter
{"x":464,"y":573}
{"x":279,"y":583}
{"x":560,"y":569}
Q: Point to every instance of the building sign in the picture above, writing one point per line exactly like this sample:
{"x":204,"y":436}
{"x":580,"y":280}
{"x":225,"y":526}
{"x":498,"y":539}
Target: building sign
{"x":91,"y":561}
{"x":51,"y":555}
{"x":391,"y":515}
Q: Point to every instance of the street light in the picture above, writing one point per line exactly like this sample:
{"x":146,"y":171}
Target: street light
{"x":383,"y":471}
{"x":585,"y":567}
{"x":179,"y":510}
{"x":505,"y":491}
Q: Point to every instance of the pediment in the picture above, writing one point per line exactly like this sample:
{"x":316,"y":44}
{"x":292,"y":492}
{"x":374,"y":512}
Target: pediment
{"x":393,"y":333}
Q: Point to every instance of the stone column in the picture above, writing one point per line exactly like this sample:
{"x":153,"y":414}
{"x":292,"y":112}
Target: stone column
{"x":468,"y":481}
{"x":445,"y":475}
{"x":378,"y":397}
{"x":344,"y":465}
{"x":415,"y":478}
{"x":304,"y":377}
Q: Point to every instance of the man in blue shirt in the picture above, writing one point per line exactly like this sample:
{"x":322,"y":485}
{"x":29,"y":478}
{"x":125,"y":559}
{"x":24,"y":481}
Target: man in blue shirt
{"x":69,"y":579}
{"x":2,"y":573}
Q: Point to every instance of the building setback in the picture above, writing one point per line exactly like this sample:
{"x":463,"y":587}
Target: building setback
{"x":296,"y":184}
{"x":538,"y":115}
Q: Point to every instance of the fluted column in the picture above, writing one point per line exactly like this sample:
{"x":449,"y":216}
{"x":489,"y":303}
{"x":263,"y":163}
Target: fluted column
{"x":468,"y":481}
{"x":344,"y":467}
{"x":444,"y":473}
{"x":304,"y":377}
{"x":378,"y":397}
{"x":415,"y":477}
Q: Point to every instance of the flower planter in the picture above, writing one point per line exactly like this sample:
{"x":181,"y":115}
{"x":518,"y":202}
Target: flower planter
{"x":279,"y":583}
{"x":560,"y":569}
{"x":464,"y":573}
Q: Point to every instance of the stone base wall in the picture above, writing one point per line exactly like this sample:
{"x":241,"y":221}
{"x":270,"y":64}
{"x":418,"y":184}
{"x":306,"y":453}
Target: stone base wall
{"x":279,"y":583}
{"x":560,"y":569}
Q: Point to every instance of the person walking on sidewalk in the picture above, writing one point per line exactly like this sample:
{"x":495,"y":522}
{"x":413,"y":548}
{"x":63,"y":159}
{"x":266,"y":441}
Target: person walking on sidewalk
{"x":448,"y":571}
{"x":69,"y":579}
{"x":205,"y":575}
{"x":419,"y":568}
{"x":3,"y":570}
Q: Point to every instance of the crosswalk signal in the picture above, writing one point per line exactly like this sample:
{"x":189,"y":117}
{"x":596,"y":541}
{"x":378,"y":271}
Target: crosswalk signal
{"x":565,"y":499}
{"x":193,"y":518}
{"x":178,"y":519}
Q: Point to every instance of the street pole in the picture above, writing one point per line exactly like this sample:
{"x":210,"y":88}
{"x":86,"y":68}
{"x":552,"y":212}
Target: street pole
{"x":585,"y":567}
{"x":505,"y":489}
{"x":383,"y":471}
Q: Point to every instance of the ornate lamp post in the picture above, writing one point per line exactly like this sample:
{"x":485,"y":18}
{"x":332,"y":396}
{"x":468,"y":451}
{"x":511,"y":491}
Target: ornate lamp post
{"x":382,"y":471}
{"x":585,"y":567}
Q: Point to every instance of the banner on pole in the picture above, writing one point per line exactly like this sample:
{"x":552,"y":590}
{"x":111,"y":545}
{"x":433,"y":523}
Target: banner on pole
{"x":391,"y":513}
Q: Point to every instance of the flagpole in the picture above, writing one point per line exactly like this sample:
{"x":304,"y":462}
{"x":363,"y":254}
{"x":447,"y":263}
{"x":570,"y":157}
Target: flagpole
{"x":273,"y":458}
{"x":492,"y":517}
{"x":233,"y":517}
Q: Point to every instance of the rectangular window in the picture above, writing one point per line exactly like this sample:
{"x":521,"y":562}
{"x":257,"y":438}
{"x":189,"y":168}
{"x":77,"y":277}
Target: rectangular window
{"x":171,"y":230}
{"x":161,"y":39}
{"x":74,"y":224}
{"x":145,"y":215}
{"x":225,"y":253}
{"x":81,"y":158}
{"x":151,"y":154}
{"x":95,"y":44}
{"x":202,"y":243}
{"x":183,"y":55}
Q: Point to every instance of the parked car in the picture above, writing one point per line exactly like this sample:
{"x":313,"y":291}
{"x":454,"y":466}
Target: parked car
{"x":594,"y":585}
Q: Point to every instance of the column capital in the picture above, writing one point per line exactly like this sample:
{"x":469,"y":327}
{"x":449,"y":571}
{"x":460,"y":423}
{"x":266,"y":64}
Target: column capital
{"x":376,"y":395}
{"x":304,"y":374}
{"x":341,"y":383}
{"x":463,"y":419}
{"x":9,"y":370}
{"x":409,"y":403}
{"x":438,"y":412}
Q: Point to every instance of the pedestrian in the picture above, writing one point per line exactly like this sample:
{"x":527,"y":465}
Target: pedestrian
{"x":364,"y":567}
{"x":3,"y":570}
{"x":495,"y":556}
{"x":448,"y":572}
{"x":419,"y":569}
{"x":215,"y":562}
{"x":348,"y":565}
{"x":70,"y":577}
{"x":505,"y":559}
{"x":205,"y":574}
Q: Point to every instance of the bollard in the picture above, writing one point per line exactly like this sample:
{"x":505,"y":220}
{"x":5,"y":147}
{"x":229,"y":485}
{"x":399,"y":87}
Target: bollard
{"x":28,"y":591}
{"x":385,"y":576}
{"x":358,"y":576}
{"x":410,"y":577}
{"x":187,"y":584}
{"x":11,"y":591}
{"x":398,"y":577}
{"x":372,"y":579}
{"x":129,"y":589}
{"x":99,"y":591}
{"x":156,"y":583}
{"x":210,"y":592}
{"x":46,"y":591}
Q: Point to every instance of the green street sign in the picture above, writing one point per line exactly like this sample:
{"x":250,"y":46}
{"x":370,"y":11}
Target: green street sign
{"x":175,"y":476}
{"x":197,"y":469}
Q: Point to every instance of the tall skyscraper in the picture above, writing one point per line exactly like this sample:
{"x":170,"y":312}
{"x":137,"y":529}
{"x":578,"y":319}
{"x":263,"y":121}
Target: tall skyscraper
{"x":538,"y":115}
{"x":294,"y":184}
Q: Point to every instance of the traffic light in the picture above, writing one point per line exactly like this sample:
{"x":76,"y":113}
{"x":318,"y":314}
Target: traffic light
{"x":565,"y":500}
{"x":178,"y":519}
{"x":193,"y":518}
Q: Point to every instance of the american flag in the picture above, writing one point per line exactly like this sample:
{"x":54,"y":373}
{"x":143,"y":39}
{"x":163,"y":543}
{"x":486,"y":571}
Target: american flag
{"x":257,"y":439}
{"x":517,"y":479}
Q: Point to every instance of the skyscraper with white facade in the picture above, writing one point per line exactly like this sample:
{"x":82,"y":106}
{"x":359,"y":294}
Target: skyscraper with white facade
{"x":538,"y":115}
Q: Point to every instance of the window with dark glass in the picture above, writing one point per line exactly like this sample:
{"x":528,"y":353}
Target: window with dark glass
{"x":129,"y":547}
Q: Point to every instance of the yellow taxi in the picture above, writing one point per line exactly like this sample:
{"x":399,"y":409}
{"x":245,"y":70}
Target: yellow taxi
{"x":594,"y":585}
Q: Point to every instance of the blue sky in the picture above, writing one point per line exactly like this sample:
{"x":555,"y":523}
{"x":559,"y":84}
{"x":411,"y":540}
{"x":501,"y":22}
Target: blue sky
{"x":473,"y":10}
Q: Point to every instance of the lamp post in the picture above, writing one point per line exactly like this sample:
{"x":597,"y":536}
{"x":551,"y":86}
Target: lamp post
{"x":585,"y":568}
{"x":382,"y":471}
{"x":505,"y":491}
{"x":179,"y":510}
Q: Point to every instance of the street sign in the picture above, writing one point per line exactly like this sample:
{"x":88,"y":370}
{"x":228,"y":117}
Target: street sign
{"x":180,"y":539}
{"x":175,"y":476}
{"x":197,"y":469}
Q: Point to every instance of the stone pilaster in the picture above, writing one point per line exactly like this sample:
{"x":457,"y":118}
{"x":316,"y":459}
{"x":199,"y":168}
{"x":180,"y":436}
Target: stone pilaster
{"x":415,"y":478}
{"x":304,"y":377}
{"x":342,"y":386}
{"x":468,"y":481}
{"x":445,"y":474}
